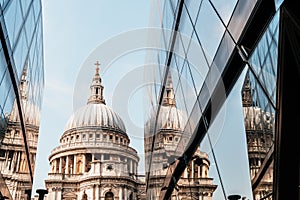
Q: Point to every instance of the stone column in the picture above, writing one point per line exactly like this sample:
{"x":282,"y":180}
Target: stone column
{"x":6,"y":160}
{"x":94,"y":192}
{"x":125,"y":193}
{"x":60,"y":165}
{"x":185,"y":174}
{"x":67,"y":165}
{"x":83,"y":163}
{"x":199,"y":171}
{"x":54,"y":194}
{"x":203,"y":171}
{"x":192,"y":170}
{"x":135,"y":168}
{"x":97,"y":193}
{"x":120,"y":193}
{"x":55,"y":165}
{"x":2,"y":163}
{"x":74,"y":164}
{"x":18,"y":161}
{"x":14,"y":161}
{"x":130,"y":166}
{"x":58,"y":196}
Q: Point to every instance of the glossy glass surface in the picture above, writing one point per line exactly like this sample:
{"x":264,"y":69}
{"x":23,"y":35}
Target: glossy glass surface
{"x":21,"y":24}
{"x":207,"y":36}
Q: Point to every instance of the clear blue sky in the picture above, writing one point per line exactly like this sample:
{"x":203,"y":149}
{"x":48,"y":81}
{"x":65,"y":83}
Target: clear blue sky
{"x":73,"y":30}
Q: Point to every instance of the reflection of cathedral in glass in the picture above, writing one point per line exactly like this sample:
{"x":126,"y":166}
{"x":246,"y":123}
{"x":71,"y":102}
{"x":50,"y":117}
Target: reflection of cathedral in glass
{"x":94,"y":159}
{"x":166,"y":130}
{"x":21,"y":94}
{"x":259,"y":126}
{"x":13,"y":158}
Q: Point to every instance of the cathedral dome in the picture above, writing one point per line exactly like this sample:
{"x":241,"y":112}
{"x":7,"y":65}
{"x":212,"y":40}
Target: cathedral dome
{"x":96,"y":115}
{"x":31,"y":113}
{"x":257,"y":119}
{"x":170,"y":117}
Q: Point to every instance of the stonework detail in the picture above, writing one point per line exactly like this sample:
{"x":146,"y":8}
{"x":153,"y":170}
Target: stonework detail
{"x":94,"y":159}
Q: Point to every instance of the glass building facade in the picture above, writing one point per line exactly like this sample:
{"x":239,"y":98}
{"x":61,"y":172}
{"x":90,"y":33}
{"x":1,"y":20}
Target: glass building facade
{"x":233,"y":65}
{"x":21,"y":92}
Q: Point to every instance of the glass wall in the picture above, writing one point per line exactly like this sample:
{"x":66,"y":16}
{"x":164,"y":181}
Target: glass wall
{"x":21,"y":92}
{"x":236,"y":124}
{"x":259,"y":105}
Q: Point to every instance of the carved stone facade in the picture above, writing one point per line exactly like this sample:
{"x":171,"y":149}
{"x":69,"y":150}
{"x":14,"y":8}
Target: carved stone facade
{"x":94,"y":159}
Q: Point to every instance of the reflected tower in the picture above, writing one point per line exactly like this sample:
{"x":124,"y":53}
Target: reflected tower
{"x":259,"y":132}
{"x":163,"y":133}
{"x":13,"y":157}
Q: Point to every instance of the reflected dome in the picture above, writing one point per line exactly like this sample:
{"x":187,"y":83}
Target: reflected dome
{"x":31,"y":113}
{"x":169,"y":118}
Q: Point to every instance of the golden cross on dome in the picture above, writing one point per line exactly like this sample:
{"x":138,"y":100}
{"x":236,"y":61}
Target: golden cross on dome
{"x":97,"y":66}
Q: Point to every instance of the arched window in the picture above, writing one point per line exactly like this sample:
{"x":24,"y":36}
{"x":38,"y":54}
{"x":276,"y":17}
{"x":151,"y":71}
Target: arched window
{"x":109,"y":196}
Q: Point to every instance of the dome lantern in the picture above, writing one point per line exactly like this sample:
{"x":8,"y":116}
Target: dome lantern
{"x":96,"y":88}
{"x":96,"y":114}
{"x":169,"y":97}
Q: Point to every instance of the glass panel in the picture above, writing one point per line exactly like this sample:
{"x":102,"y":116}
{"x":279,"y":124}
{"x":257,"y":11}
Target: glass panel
{"x":185,"y":28}
{"x":2,"y":2}
{"x":29,"y":25}
{"x":278,"y":3}
{"x":225,"y":144}
{"x":209,"y":32}
{"x":168,"y":16}
{"x":240,"y":17}
{"x":4,"y":89}
{"x":197,"y":58}
{"x":192,"y":8}
{"x":224,"y":8}
{"x":20,"y":53}
{"x":13,"y":15}
{"x":37,"y":9}
{"x":3,"y":67}
{"x":25,"y":6}
{"x":174,"y":6}
{"x":224,"y":51}
{"x":264,"y":58}
{"x":8,"y":103}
